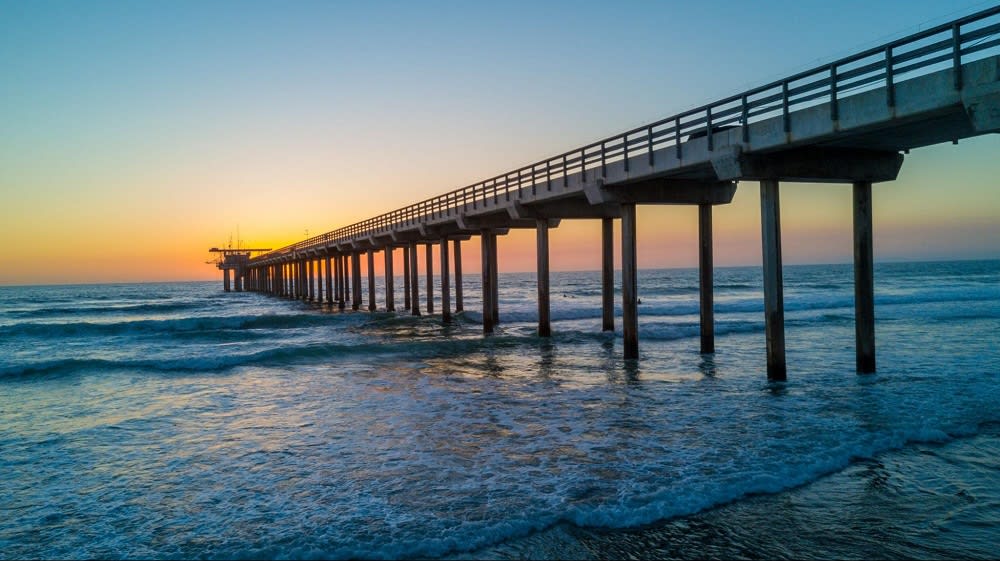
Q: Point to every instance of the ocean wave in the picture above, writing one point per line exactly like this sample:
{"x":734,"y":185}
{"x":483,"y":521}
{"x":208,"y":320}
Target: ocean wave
{"x":205,"y":363}
{"x":284,"y":355}
{"x":189,"y":324}
{"x":147,"y":308}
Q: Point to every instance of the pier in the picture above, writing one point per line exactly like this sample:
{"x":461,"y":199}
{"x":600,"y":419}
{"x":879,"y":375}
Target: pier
{"x":850,"y":121}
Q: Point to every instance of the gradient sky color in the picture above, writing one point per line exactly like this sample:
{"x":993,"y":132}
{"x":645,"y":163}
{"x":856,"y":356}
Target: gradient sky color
{"x":136,"y":135}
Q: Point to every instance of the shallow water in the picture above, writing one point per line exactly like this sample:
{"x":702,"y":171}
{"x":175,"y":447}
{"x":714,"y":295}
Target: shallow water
{"x":174,"y":420}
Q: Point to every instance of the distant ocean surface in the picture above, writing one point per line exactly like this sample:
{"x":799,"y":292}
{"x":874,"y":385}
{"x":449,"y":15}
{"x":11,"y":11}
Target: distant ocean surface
{"x":176,"y":420}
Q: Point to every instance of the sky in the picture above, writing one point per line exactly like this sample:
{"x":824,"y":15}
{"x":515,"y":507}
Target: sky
{"x":136,"y":135}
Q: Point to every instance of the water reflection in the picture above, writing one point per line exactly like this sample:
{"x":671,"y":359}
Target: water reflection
{"x":707,"y":366}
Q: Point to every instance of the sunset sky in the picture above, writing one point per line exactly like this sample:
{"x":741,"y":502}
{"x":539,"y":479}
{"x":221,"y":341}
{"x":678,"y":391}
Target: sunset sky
{"x":136,"y":135}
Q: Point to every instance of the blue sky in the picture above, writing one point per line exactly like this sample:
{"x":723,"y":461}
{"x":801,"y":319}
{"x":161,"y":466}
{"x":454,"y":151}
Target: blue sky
{"x":168,"y":124}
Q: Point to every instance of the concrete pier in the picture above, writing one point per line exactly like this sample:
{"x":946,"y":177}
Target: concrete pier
{"x":864,"y":278}
{"x":774,"y":306}
{"x":830,"y":124}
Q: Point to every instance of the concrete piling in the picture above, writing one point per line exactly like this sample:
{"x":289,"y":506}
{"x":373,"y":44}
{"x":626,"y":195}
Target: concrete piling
{"x":445,"y":282}
{"x":371,"y":280}
{"x":864,"y":281}
{"x":414,"y":281}
{"x":607,"y":275}
{"x":406,"y":278}
{"x":774,"y":307}
{"x":485,"y":239}
{"x":705,"y":279}
{"x":630,"y":309}
{"x":430,"y":277}
{"x":542,"y":275}
{"x":459,"y":306}
{"x":390,"y":304}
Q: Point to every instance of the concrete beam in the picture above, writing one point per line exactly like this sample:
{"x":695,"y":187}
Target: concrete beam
{"x":661,"y":191}
{"x":982,"y":105}
{"x":563,"y":208}
{"x":498,"y":223}
{"x":808,"y":165}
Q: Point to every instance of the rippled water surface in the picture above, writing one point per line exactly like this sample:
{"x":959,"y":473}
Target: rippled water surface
{"x":176,"y":420}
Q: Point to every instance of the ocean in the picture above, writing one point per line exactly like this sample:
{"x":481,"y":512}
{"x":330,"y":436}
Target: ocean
{"x":179,"y":421}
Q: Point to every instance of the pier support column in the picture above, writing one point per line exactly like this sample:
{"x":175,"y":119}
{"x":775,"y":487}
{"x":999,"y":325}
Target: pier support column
{"x":342,"y":278}
{"x":306,"y":279}
{"x":494,"y":278}
{"x":430,"y":278}
{"x":225,"y":280}
{"x":406,"y":278}
{"x":542,"y":274}
{"x":630,"y":286}
{"x":390,"y":281}
{"x":320,"y":285}
{"x":445,"y":282}
{"x":318,"y":267}
{"x":864,"y":278}
{"x":371,"y":280}
{"x":487,"y":255}
{"x":293,"y":268}
{"x":705,"y":278}
{"x":311,"y":276}
{"x":458,"y":276}
{"x":607,"y":275}
{"x":297,"y":270}
{"x":329,"y":280}
{"x":347,"y":279}
{"x":774,"y":307}
{"x":303,"y":281}
{"x":356,"y":281}
{"x":414,"y":281}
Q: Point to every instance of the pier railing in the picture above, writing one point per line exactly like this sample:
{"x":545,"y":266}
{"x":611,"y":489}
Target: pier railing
{"x":948,"y":45}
